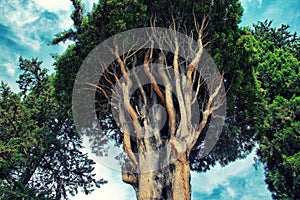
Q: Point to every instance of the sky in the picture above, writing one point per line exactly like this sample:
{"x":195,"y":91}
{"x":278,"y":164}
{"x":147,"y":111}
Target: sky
{"x":26,"y":29}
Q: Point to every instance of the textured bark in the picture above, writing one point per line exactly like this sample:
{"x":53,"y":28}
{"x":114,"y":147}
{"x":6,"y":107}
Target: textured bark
{"x":181,"y":180}
{"x":169,"y":183}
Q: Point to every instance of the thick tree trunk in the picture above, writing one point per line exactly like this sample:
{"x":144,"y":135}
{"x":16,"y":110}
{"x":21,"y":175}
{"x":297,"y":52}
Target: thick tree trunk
{"x":169,"y":183}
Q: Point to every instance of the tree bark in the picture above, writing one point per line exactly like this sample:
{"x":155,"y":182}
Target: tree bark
{"x":169,"y":183}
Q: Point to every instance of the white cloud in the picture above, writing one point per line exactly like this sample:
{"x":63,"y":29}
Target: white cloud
{"x":14,"y":12}
{"x":230,"y":192}
{"x":10,"y":69}
{"x":25,"y":20}
{"x":63,"y":8}
{"x":29,"y":27}
{"x":54,"y":5}
{"x":115,"y":188}
{"x":219,"y":175}
{"x":246,"y":2}
{"x":64,"y":45}
{"x":18,"y":18}
{"x":88,"y":4}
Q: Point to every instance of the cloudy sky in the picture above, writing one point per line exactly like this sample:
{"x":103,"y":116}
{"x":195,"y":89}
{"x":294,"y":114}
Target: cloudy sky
{"x":27,"y":27}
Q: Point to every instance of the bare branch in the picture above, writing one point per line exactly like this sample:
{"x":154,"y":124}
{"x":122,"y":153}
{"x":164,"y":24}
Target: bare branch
{"x":209,"y":110}
{"x":150,"y":76}
{"x":179,"y":92}
{"x":169,"y":102}
{"x":113,"y":74}
{"x":199,"y":84}
{"x":140,"y":88}
{"x":122,"y":65}
{"x":213,"y":96}
{"x":100,"y":88}
{"x":126,"y":137}
{"x":197,"y":58}
{"x":130,"y":109}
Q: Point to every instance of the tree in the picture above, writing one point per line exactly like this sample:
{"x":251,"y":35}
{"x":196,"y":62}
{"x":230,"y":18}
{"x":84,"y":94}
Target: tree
{"x":156,"y":163}
{"x":220,"y":38}
{"x":276,"y":71}
{"x":40,"y":156}
{"x":281,"y":37}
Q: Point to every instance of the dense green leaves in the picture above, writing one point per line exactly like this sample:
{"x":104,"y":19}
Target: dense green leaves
{"x":281,"y":37}
{"x":280,"y":147}
{"x":106,"y":19}
{"x":40,"y":155}
{"x":277,"y":74}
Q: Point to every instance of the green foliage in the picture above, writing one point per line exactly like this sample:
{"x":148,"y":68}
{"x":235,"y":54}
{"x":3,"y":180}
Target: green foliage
{"x":237,"y":138}
{"x":277,"y":74}
{"x":280,"y":147}
{"x":40,"y":155}
{"x":281,"y":37}
{"x":106,"y":19}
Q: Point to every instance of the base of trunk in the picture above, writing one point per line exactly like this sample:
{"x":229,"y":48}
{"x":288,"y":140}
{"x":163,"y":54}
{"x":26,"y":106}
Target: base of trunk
{"x":169,"y":183}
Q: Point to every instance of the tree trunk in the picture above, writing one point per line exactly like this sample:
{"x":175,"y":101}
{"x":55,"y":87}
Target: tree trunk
{"x":169,"y":183}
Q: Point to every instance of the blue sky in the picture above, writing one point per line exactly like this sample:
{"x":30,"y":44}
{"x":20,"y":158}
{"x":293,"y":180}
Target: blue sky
{"x":27,"y":27}
{"x":280,"y":11}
